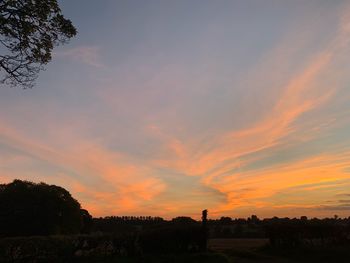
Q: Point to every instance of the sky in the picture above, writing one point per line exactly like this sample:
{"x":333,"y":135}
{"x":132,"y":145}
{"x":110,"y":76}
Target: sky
{"x":167,"y":108}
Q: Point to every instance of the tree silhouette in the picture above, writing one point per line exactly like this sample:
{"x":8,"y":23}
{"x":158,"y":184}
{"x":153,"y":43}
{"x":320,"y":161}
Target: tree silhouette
{"x":29,"y":30}
{"x":27,"y":208}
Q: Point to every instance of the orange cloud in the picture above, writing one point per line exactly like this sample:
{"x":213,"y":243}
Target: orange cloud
{"x":110,"y":182}
{"x":247,"y":189}
{"x":302,"y":93}
{"x":106,"y":179}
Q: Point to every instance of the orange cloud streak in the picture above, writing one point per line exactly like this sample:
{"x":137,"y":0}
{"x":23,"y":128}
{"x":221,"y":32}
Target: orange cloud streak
{"x":116,"y":186}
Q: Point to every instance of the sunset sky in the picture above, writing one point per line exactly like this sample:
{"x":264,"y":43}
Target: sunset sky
{"x":166,"y":108}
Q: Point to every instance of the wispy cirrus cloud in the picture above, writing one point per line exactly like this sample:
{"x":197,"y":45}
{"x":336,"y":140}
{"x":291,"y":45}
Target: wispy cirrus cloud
{"x":343,"y":207}
{"x":242,"y":123}
{"x":303,"y":92}
{"x":88,"y":55}
{"x":100,"y":177}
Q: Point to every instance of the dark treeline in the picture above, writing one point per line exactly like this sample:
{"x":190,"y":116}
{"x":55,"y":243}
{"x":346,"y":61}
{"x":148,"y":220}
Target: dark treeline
{"x":281,"y":232}
{"x":28,"y":208}
{"x":62,"y":226}
{"x":253,"y":227}
{"x":227,"y":227}
{"x":129,"y":220}
{"x":285,"y":232}
{"x":38,"y":220}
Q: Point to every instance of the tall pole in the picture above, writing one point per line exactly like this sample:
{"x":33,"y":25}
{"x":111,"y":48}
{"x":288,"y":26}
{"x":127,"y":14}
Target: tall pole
{"x":204,"y":229}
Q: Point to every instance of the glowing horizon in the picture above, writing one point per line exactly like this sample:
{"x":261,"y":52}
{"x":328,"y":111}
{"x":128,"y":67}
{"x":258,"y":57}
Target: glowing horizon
{"x":165,"y":108}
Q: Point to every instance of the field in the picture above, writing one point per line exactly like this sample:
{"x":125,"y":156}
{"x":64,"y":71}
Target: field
{"x":258,"y":251}
{"x":223,"y":244}
{"x":245,"y":250}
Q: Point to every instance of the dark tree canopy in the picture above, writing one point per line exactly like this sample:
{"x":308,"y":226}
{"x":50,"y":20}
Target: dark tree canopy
{"x":29,"y":30}
{"x":28,"y":208}
{"x":184,"y":220}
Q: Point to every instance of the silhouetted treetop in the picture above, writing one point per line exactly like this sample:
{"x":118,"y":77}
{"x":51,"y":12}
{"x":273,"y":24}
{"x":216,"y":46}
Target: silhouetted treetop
{"x":28,"y":208}
{"x":184,"y":220}
{"x":29,"y":30}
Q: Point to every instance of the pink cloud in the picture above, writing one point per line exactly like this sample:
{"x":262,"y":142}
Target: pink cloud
{"x":85,"y":54}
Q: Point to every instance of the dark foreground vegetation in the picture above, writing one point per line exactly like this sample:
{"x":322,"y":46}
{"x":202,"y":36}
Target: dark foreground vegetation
{"x":44,"y":223}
